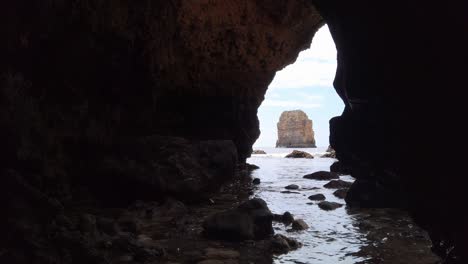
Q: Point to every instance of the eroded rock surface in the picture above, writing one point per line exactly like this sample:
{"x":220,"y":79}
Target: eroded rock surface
{"x":295,"y":130}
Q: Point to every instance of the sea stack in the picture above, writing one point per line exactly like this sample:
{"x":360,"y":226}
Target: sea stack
{"x":295,"y":130}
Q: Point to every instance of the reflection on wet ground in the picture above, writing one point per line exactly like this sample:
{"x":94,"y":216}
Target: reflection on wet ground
{"x":341,"y":235}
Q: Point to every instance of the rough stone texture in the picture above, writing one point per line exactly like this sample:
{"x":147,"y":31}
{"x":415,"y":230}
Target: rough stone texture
{"x":328,"y":206}
{"x":392,"y":60}
{"x":78,"y":78}
{"x":295,"y":130}
{"x":87,"y":85}
{"x":321,"y":176}
{"x":299,"y":154}
{"x":317,"y":197}
{"x":251,"y":220}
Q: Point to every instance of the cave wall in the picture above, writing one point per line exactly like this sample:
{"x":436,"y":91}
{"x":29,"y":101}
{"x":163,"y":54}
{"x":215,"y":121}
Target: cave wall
{"x":82,"y":80}
{"x":400,"y":74}
{"x":111,"y":101}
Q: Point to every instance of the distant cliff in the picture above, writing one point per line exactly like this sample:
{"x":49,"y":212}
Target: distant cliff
{"x":295,"y":130}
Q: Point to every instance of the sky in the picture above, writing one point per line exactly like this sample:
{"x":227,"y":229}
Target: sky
{"x":307,"y":85}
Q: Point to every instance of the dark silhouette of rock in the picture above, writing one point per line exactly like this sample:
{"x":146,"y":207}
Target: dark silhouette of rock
{"x":250,"y":220}
{"x":281,"y":244}
{"x":322,"y":176}
{"x":338,"y":184}
{"x":292,"y":187}
{"x":327,"y":206}
{"x":340,"y":193}
{"x":256,"y":181}
{"x":295,"y":130}
{"x":251,"y":167}
{"x":299,"y":154}
{"x":317,"y":197}
{"x":340,"y":168}
{"x":299,"y":224}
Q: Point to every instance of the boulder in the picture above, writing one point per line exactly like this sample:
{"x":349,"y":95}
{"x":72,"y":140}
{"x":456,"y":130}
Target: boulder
{"x":295,"y":130}
{"x":251,"y":167}
{"x":256,"y":181}
{"x":292,"y":187}
{"x":290,"y":192}
{"x":250,"y":220}
{"x":340,"y":193}
{"x":281,"y":244}
{"x":330,"y":153}
{"x":327,"y":206}
{"x":340,"y":168}
{"x":338,"y":184}
{"x":322,"y":176}
{"x":158,"y":166}
{"x":299,"y":224}
{"x":317,"y":197}
{"x":299,"y":154}
{"x":258,"y":151}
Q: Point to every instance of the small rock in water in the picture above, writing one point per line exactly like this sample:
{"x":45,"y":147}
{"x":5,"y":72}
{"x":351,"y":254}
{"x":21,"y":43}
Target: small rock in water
{"x":317,"y":197}
{"x":292,"y":187}
{"x":281,"y":244}
{"x":338,"y":184}
{"x":251,"y":167}
{"x":258,"y":151}
{"x":299,"y":154}
{"x":321,"y":176}
{"x":287,"y":218}
{"x":256,"y":181}
{"x":290,"y":192}
{"x":340,"y":193}
{"x":299,"y":224}
{"x":327,"y":206}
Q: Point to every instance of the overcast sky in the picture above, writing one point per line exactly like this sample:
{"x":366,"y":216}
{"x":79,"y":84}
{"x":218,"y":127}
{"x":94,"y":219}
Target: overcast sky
{"x":306,"y":85}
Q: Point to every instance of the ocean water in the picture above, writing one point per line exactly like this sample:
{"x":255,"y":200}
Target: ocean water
{"x":333,"y":236}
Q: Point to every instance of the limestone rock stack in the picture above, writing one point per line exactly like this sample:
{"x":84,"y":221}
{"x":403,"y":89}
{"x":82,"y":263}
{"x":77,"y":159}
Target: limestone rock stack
{"x":295,"y":130}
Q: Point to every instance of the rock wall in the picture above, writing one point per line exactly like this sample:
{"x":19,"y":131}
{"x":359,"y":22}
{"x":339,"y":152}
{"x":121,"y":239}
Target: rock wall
{"x":399,"y":77}
{"x":112,"y":101}
{"x":295,"y":130}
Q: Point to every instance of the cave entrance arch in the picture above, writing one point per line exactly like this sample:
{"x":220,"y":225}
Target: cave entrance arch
{"x":307,"y":85}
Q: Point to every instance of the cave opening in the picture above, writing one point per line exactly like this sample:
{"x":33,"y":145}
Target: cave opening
{"x":339,"y":233}
{"x":305,"y":85}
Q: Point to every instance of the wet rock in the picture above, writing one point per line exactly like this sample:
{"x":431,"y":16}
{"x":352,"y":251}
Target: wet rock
{"x":287,"y":218}
{"x":250,"y":220}
{"x":340,"y":193}
{"x":299,"y":154}
{"x":258,"y":151}
{"x":290,"y":192}
{"x":107,"y":225}
{"x":327,"y":206}
{"x":87,"y":223}
{"x":340,"y":168}
{"x":317,"y":197}
{"x":220,"y":253}
{"x":338,"y":184}
{"x":128,"y":224}
{"x":281,"y":244}
{"x":330,"y":153}
{"x":292,"y":187}
{"x":256,"y":181}
{"x":251,"y":167}
{"x":299,"y":224}
{"x":321,"y":176}
{"x":173,"y":207}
